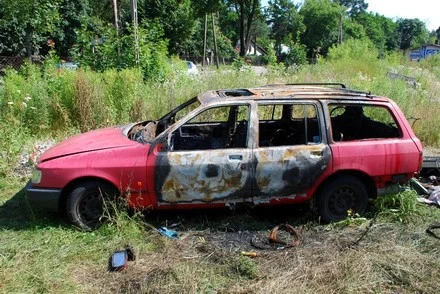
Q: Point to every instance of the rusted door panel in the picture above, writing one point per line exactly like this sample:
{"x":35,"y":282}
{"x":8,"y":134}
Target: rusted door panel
{"x":286,"y":171}
{"x":203,"y":176}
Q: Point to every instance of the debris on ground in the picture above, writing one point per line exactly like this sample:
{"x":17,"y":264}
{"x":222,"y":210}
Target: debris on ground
{"x":430,"y":189}
{"x":118,"y":260}
{"x":296,"y":240}
{"x":164,"y":231}
{"x":27,"y":160}
{"x":430,"y":231}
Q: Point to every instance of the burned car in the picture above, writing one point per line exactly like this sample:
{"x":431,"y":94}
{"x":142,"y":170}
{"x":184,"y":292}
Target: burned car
{"x":269,"y":145}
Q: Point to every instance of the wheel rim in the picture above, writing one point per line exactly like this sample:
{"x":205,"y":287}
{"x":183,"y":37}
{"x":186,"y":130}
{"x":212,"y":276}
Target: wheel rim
{"x":341,"y":200}
{"x":91,"y":208}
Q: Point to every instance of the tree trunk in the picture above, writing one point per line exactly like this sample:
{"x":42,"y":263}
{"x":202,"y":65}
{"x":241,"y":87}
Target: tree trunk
{"x":242,"y":36}
{"x":28,"y":43}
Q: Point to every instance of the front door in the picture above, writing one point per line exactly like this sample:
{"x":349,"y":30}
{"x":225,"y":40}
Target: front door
{"x":207,"y":159}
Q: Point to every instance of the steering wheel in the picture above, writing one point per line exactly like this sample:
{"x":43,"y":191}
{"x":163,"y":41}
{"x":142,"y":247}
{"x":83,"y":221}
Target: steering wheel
{"x":334,"y":109}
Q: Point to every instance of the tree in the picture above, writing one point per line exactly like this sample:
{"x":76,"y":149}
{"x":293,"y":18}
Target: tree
{"x":321,"y":18}
{"x":177,"y":18}
{"x":437,"y":35}
{"x":355,"y":7}
{"x":246,"y":11}
{"x":285,"y":22}
{"x":73,"y":13}
{"x":411,"y":33}
{"x":380,"y":30}
{"x":31,"y":19}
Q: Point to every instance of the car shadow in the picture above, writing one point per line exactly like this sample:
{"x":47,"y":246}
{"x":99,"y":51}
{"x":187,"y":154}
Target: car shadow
{"x":239,"y":219}
{"x":16,"y":214}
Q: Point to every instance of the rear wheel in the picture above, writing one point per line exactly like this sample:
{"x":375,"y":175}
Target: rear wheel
{"x":339,"y":196}
{"x":88,"y":204}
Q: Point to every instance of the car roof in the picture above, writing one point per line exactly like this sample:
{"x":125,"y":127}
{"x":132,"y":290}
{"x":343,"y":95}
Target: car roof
{"x":290,"y":92}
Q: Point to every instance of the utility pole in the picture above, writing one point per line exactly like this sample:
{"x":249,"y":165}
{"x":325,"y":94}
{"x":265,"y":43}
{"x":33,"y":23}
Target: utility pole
{"x":134,"y":17}
{"x":340,"y":29}
{"x":115,"y":11}
{"x":205,"y":29}
{"x":215,"y":42}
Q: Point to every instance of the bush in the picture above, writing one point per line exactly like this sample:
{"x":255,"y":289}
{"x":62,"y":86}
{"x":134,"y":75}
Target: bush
{"x":353,"y":49}
{"x":297,"y":55}
{"x":400,"y":207}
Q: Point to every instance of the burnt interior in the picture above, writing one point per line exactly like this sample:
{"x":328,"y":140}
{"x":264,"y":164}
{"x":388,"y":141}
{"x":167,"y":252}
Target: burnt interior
{"x":288,"y":129}
{"x":360,"y":122}
{"x":231,"y":133}
{"x":292,"y":132}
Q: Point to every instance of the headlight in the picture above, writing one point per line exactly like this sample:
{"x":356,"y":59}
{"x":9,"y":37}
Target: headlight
{"x":36,"y":176}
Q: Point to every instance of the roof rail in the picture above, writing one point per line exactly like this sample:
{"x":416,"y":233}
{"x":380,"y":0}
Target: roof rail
{"x":318,"y":84}
{"x":235,"y":92}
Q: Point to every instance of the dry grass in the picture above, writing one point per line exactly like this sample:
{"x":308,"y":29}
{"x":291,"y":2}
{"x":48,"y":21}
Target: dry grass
{"x":391,"y":258}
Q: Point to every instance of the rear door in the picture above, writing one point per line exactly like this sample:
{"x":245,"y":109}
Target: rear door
{"x":369,"y":138}
{"x":292,"y":154}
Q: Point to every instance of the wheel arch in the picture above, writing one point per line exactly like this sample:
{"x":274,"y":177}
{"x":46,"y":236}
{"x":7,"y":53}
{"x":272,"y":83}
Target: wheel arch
{"x":71,"y":185}
{"x":361,"y":176}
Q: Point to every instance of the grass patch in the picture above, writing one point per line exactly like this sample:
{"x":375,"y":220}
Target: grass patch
{"x":41,"y":253}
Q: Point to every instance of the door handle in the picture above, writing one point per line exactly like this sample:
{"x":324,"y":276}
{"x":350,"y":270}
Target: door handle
{"x":236,"y":157}
{"x":317,"y":153}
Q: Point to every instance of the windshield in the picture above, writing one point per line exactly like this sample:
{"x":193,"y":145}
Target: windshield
{"x":181,"y":110}
{"x":146,"y":132}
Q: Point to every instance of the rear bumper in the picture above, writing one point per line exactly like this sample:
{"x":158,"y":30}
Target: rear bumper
{"x":45,"y":198}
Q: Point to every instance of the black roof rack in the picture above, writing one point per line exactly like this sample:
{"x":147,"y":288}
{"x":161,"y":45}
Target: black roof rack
{"x":235,"y":92}
{"x":318,"y":84}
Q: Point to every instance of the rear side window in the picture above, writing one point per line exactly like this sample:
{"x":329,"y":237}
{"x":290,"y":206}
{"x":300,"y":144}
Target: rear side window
{"x":359,"y":122}
{"x":288,"y":124}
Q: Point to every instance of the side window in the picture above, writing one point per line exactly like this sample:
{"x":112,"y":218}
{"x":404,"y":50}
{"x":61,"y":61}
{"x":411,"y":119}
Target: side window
{"x":270,"y":112}
{"x":298,"y":125}
{"x":359,"y":122}
{"x":214,"y":128}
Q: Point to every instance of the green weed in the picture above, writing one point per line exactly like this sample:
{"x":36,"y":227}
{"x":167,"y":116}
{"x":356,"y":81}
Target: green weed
{"x":401,"y":207}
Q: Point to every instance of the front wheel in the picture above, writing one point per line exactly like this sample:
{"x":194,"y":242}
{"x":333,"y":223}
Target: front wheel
{"x":88,"y":204}
{"x":339,"y":196}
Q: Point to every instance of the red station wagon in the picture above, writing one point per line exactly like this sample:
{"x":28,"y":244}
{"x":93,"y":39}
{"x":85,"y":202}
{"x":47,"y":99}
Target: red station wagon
{"x":270,"y":145}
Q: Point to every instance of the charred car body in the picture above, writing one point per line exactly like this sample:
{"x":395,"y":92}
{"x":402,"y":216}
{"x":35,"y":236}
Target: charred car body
{"x":269,"y":145}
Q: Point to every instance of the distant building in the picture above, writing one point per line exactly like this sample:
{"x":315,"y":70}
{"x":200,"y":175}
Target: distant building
{"x":253,"y":49}
{"x":424,"y":51}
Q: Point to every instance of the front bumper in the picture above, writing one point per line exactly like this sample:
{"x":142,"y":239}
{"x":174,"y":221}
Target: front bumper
{"x":43,"y":197}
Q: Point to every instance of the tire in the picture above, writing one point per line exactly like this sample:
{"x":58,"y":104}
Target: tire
{"x":340,"y":195}
{"x":85,"y":204}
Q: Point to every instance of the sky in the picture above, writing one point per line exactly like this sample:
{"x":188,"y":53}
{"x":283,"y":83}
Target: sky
{"x":427,"y":11}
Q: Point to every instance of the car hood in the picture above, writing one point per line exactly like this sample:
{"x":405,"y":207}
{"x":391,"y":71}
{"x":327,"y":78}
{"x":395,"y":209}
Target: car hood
{"x":90,"y":141}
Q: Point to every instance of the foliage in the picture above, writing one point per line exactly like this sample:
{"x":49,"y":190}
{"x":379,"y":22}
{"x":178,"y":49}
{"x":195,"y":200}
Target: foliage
{"x":244,"y":267}
{"x":286,"y":24}
{"x":352,"y":30}
{"x":72,"y":14}
{"x":175,"y":17}
{"x":353,"y":49}
{"x":296,"y":56}
{"x":30,"y":19}
{"x":321,"y":18}
{"x":400,"y":207}
{"x":355,"y":7}
{"x":113,"y":51}
{"x":380,"y":30}
{"x":247,"y":11}
{"x":270,"y":58}
{"x":411,"y":33}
